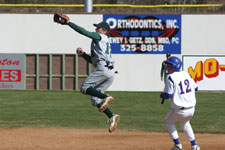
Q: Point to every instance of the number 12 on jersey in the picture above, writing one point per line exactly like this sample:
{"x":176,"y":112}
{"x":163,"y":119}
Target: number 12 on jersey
{"x":184,"y":86}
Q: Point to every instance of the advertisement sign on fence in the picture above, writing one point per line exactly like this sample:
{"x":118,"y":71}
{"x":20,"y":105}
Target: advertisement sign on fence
{"x":145,"y":34}
{"x":12,"y":71}
{"x":207,"y":71}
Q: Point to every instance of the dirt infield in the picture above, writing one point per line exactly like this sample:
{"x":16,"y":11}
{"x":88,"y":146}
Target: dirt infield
{"x":96,"y":139}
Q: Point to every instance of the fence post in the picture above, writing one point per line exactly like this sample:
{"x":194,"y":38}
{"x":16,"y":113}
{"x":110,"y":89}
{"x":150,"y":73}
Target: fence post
{"x":37,"y":71}
{"x":88,"y":6}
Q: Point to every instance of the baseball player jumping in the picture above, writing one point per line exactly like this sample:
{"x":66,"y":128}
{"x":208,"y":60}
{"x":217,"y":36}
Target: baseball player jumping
{"x":180,"y":88}
{"x":103,"y":75}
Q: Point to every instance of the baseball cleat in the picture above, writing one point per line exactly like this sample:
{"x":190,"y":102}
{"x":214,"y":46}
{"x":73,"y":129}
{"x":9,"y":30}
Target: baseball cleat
{"x":108,"y":100}
{"x":113,"y":121}
{"x":196,"y":147}
{"x":177,"y":147}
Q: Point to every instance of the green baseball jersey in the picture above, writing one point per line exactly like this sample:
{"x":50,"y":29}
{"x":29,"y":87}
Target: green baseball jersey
{"x":101,"y":50}
{"x":100,"y":46}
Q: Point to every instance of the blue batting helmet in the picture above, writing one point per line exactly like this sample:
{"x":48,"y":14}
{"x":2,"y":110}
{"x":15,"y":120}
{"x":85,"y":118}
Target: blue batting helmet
{"x":175,"y":63}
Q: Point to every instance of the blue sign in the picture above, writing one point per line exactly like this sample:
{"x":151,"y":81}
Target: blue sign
{"x":145,"y":34}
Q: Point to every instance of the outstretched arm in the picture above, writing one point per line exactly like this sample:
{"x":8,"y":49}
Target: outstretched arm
{"x":65,"y":20}
{"x":93,"y":35}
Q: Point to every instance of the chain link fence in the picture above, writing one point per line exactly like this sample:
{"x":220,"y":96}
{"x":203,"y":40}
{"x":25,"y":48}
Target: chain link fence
{"x":115,"y":10}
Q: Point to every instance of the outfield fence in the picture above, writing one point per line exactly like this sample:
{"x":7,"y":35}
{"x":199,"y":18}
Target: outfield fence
{"x":113,"y":5}
{"x":112,"y":8}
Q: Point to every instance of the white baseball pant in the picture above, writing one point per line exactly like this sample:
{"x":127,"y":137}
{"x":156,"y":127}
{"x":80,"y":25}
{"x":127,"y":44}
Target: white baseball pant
{"x":183,"y":117}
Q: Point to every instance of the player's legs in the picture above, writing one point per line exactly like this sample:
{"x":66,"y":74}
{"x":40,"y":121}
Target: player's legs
{"x":186,"y":126}
{"x":170,"y":121}
{"x":96,"y":84}
{"x":185,"y":123}
{"x":113,"y":118}
{"x":92,"y":80}
{"x":96,"y":78}
{"x":102,"y":88}
{"x":95,"y":101}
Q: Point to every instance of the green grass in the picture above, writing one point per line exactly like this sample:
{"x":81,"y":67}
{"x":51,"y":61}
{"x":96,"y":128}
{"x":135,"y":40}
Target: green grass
{"x":138,"y":110}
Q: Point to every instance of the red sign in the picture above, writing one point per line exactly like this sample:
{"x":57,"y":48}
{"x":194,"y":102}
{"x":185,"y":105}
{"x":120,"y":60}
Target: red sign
{"x":9,"y":62}
{"x":10,"y":75}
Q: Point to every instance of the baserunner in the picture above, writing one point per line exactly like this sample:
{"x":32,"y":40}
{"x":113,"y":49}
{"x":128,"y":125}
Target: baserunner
{"x":180,"y":88}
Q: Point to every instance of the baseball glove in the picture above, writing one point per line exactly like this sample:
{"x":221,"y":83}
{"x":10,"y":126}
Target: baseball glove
{"x":61,"y":18}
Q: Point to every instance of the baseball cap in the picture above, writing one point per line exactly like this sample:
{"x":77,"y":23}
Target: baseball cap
{"x":103,"y":25}
{"x":168,"y":54}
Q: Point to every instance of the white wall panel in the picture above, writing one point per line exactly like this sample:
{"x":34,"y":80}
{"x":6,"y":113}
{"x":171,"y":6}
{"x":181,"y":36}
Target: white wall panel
{"x":138,"y":72}
{"x":203,"y":34}
{"x":23,"y":33}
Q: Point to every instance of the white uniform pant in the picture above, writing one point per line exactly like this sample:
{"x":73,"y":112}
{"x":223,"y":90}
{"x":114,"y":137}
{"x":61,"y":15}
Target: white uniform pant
{"x":100,"y":79}
{"x":183,"y":117}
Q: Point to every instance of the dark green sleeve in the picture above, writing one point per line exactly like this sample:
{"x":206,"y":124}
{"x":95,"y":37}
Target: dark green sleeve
{"x":86,"y":57}
{"x":93,"y":35}
{"x":162,"y":69}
